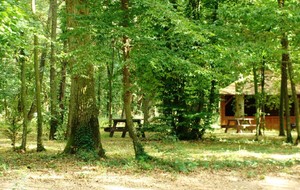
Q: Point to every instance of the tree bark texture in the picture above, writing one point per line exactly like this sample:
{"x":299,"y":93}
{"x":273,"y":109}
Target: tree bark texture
{"x":110,"y":74}
{"x":138,"y":148}
{"x":295,"y":100}
{"x":284,"y":64}
{"x":40,"y":146}
{"x":285,"y":59}
{"x":263,"y":97}
{"x":257,"y":102}
{"x":84,"y":134}
{"x":53,"y":83}
{"x":239,"y":100}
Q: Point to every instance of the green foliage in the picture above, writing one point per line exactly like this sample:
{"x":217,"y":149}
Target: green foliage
{"x":12,"y":132}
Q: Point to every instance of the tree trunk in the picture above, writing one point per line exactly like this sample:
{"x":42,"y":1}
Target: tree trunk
{"x":295,"y":99}
{"x":32,"y":109}
{"x":110,"y":73}
{"x":285,"y":59}
{"x":239,"y":100}
{"x":83,"y":121}
{"x":263,"y":98}
{"x":23,"y":100}
{"x":40,"y":146}
{"x":138,"y":148}
{"x":257,"y":102}
{"x":285,"y":62}
{"x":146,"y":105}
{"x":53,"y":84}
{"x":281,"y":106}
{"x":62,"y":89}
{"x":282,"y":87}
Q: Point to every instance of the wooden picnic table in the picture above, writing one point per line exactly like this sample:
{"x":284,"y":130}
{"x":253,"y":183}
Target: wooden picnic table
{"x":124,"y":127}
{"x":239,"y":124}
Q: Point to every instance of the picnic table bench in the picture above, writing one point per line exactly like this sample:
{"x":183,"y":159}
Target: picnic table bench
{"x":239,"y":124}
{"x":124,"y":128}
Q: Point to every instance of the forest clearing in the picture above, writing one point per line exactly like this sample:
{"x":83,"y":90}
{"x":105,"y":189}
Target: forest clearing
{"x":220,"y":161}
{"x":207,"y":91}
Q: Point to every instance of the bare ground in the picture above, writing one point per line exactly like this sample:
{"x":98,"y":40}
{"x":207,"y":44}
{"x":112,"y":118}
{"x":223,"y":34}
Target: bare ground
{"x":91,"y":178}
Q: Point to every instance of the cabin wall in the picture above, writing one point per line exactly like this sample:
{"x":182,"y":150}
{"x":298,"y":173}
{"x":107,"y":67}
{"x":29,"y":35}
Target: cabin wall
{"x":272,"y":122}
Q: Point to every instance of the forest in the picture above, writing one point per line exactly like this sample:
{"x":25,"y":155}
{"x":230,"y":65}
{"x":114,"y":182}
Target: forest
{"x":69,"y":69}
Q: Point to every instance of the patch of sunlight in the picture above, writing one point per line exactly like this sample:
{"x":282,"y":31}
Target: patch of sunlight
{"x":244,"y":154}
{"x":114,"y":187}
{"x":44,"y":175}
{"x":277,"y":182}
{"x":284,"y":157}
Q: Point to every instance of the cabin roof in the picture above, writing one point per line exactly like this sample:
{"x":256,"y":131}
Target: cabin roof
{"x":246,"y":85}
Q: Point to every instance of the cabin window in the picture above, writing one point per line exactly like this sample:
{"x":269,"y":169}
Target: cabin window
{"x":271,"y":106}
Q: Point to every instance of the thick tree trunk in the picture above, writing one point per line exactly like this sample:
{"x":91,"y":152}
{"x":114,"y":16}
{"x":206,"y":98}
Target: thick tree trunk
{"x":84,"y":134}
{"x":54,"y":122}
{"x":83,"y":116}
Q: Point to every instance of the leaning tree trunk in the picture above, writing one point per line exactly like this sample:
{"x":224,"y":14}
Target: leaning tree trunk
{"x":54,"y":122}
{"x":40,"y":146}
{"x":83,"y":122}
{"x":138,"y":148}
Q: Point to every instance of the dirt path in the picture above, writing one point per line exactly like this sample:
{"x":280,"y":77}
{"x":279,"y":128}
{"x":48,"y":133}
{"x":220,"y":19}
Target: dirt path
{"x":90,"y":178}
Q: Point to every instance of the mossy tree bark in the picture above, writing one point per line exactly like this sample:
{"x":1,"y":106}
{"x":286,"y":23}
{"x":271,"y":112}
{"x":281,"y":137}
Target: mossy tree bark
{"x":84,"y":134}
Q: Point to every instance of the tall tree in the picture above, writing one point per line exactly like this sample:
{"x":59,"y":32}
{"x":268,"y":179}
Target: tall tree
{"x":83,"y":122}
{"x":40,"y":146}
{"x":138,"y":148}
{"x":23,"y":100}
{"x":285,"y":59}
{"x":53,"y":83}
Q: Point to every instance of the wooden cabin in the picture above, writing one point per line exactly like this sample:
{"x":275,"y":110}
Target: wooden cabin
{"x":239,"y":97}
